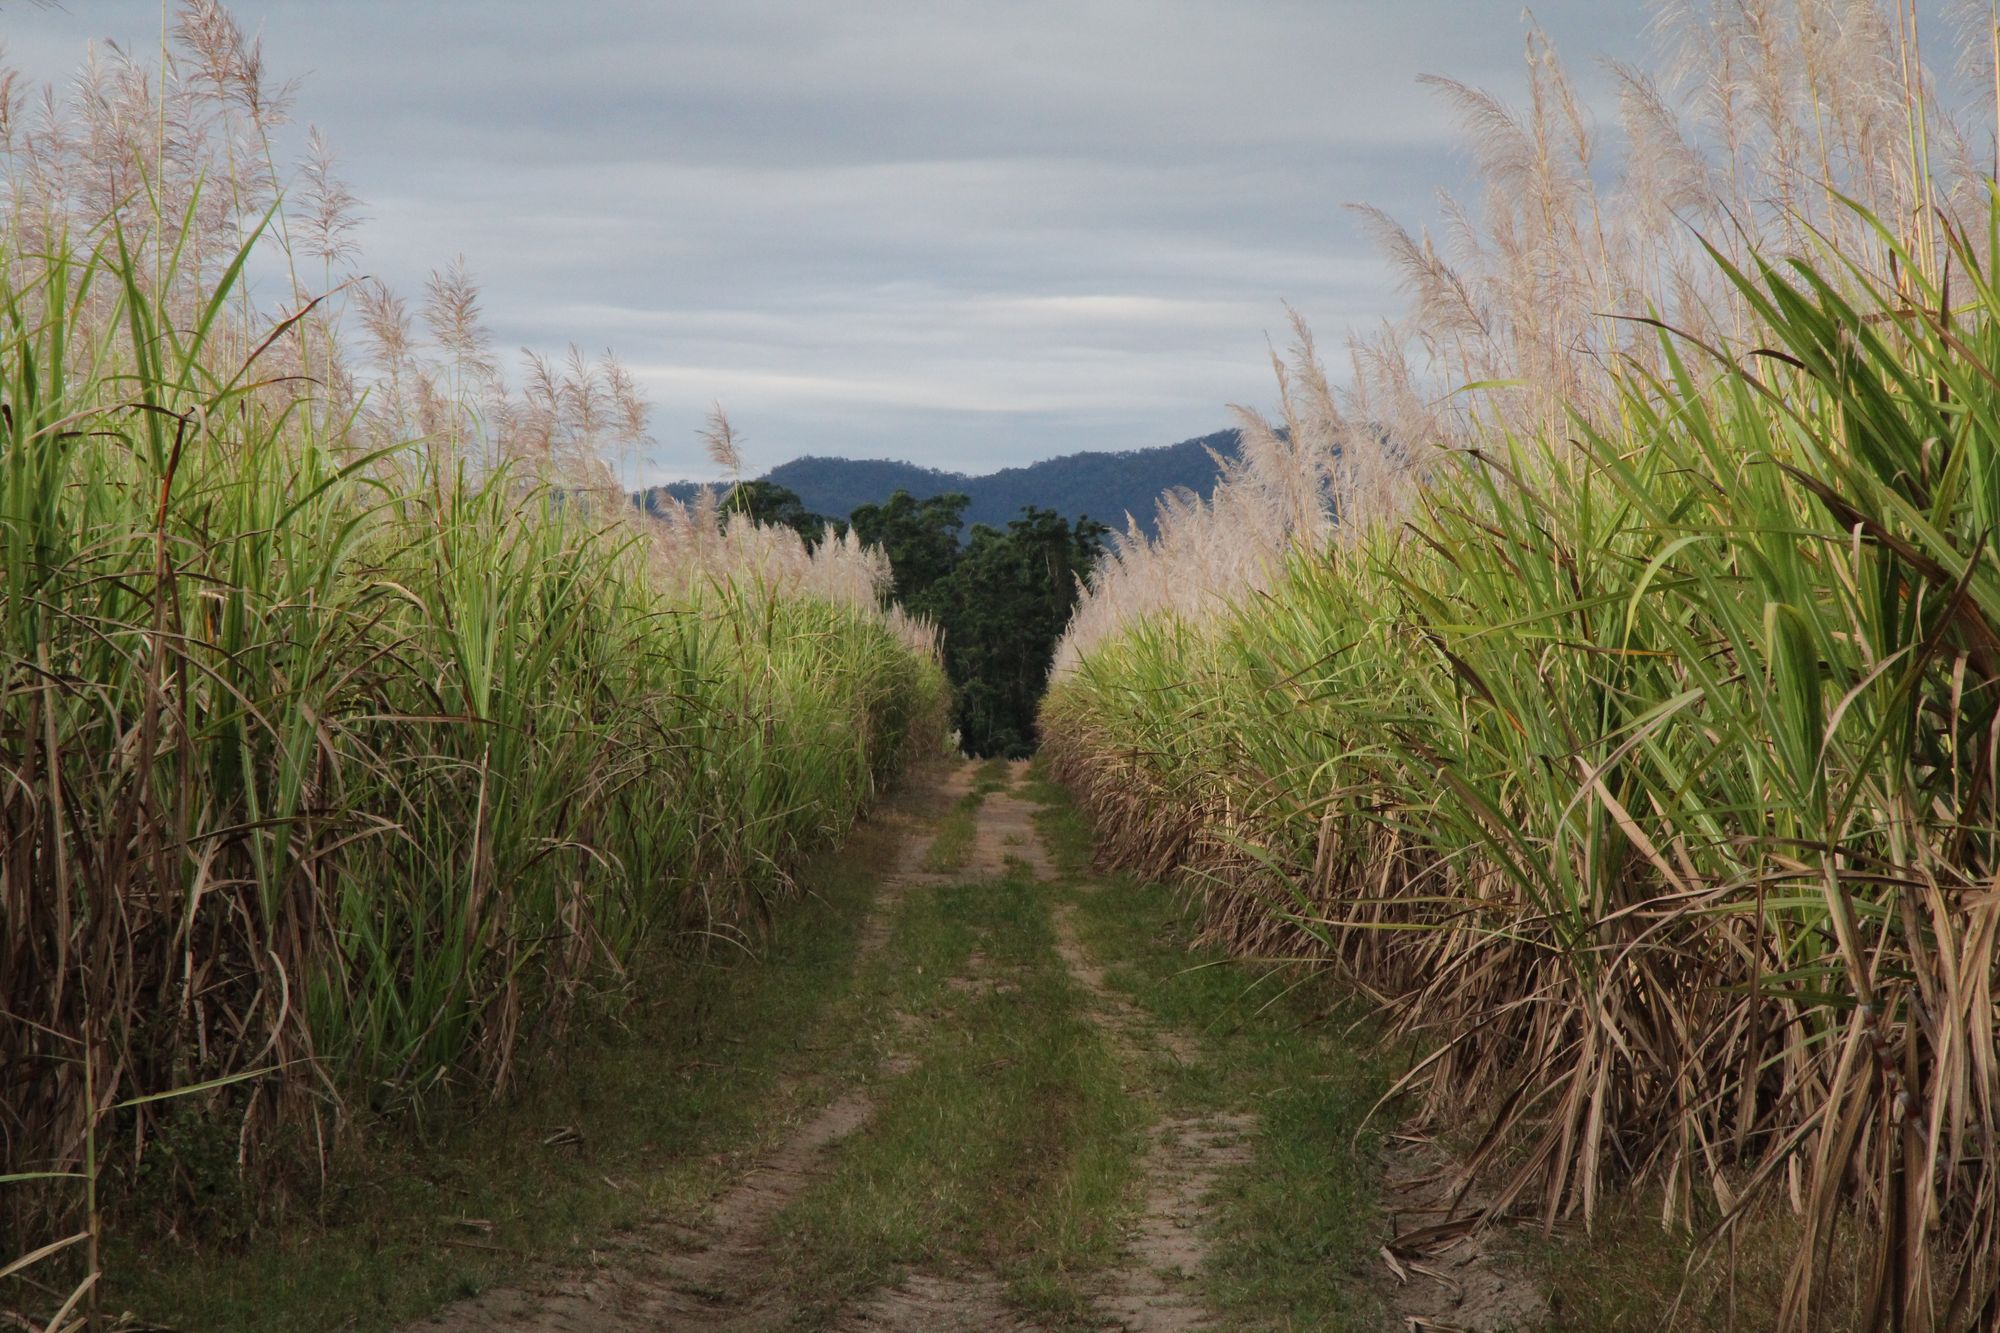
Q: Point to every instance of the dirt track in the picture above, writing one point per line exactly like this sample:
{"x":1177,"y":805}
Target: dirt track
{"x":726,"y":1271}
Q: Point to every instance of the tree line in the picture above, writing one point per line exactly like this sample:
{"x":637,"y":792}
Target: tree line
{"x":1001,"y":597}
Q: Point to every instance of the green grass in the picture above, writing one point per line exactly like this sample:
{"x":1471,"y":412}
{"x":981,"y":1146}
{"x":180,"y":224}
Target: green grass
{"x":1300,"y":1225}
{"x":1066,"y":834}
{"x":952,"y":847}
{"x":1010,"y":1142}
{"x":1630,"y":1275}
{"x":665,"y":1100}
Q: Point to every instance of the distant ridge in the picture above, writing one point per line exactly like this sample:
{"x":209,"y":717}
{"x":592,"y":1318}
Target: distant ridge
{"x":1104,"y":486}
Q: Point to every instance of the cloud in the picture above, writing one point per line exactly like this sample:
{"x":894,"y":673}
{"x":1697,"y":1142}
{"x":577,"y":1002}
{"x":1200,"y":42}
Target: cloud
{"x":946,"y":230}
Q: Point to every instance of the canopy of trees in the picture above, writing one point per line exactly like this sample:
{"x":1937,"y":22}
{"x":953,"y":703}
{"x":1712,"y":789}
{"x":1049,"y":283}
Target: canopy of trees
{"x":1001,"y":598}
{"x":769,"y":503}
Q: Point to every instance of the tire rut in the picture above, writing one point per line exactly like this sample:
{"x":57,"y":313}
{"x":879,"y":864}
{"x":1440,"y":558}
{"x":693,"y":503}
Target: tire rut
{"x":961,"y":1300}
{"x":1158,"y":1288}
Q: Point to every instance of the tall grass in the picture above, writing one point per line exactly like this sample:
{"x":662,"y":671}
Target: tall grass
{"x":354,"y":785}
{"x":350,"y":730}
{"x":1754,"y":132}
{"x":1640,"y":758}
{"x":1653,"y":779}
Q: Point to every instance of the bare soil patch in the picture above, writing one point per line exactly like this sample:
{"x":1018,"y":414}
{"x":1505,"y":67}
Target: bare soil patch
{"x":1445,"y":1271}
{"x":961,"y":1301}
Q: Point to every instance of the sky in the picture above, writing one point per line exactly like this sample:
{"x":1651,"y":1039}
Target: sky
{"x":966,"y":233}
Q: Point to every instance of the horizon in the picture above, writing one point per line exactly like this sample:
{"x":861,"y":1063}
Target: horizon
{"x":957,"y":473}
{"x":968,"y":240}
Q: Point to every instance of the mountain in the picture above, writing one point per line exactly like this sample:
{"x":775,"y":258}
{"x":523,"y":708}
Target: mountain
{"x":1103,"y":486}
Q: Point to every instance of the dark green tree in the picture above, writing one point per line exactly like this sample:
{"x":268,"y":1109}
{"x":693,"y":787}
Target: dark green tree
{"x":769,"y":503}
{"x":1001,"y":598}
{"x":1002,"y":608}
{"x":920,"y":538}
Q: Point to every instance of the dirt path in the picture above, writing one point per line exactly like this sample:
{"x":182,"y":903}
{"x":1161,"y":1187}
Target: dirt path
{"x":1157,"y":1287}
{"x":728,"y":1269}
{"x":719,"y":1274}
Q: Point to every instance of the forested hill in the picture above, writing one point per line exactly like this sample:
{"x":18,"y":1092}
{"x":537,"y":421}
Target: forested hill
{"x":1104,"y":486}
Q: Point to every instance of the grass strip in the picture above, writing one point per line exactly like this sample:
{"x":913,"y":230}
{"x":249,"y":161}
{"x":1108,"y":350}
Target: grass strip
{"x":952,"y":847}
{"x":1010,"y":1143}
{"x":1299,"y":1225}
{"x":993,"y":775}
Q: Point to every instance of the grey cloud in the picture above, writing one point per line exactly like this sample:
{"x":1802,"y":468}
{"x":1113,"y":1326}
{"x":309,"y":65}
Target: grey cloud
{"x":961,"y":232}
